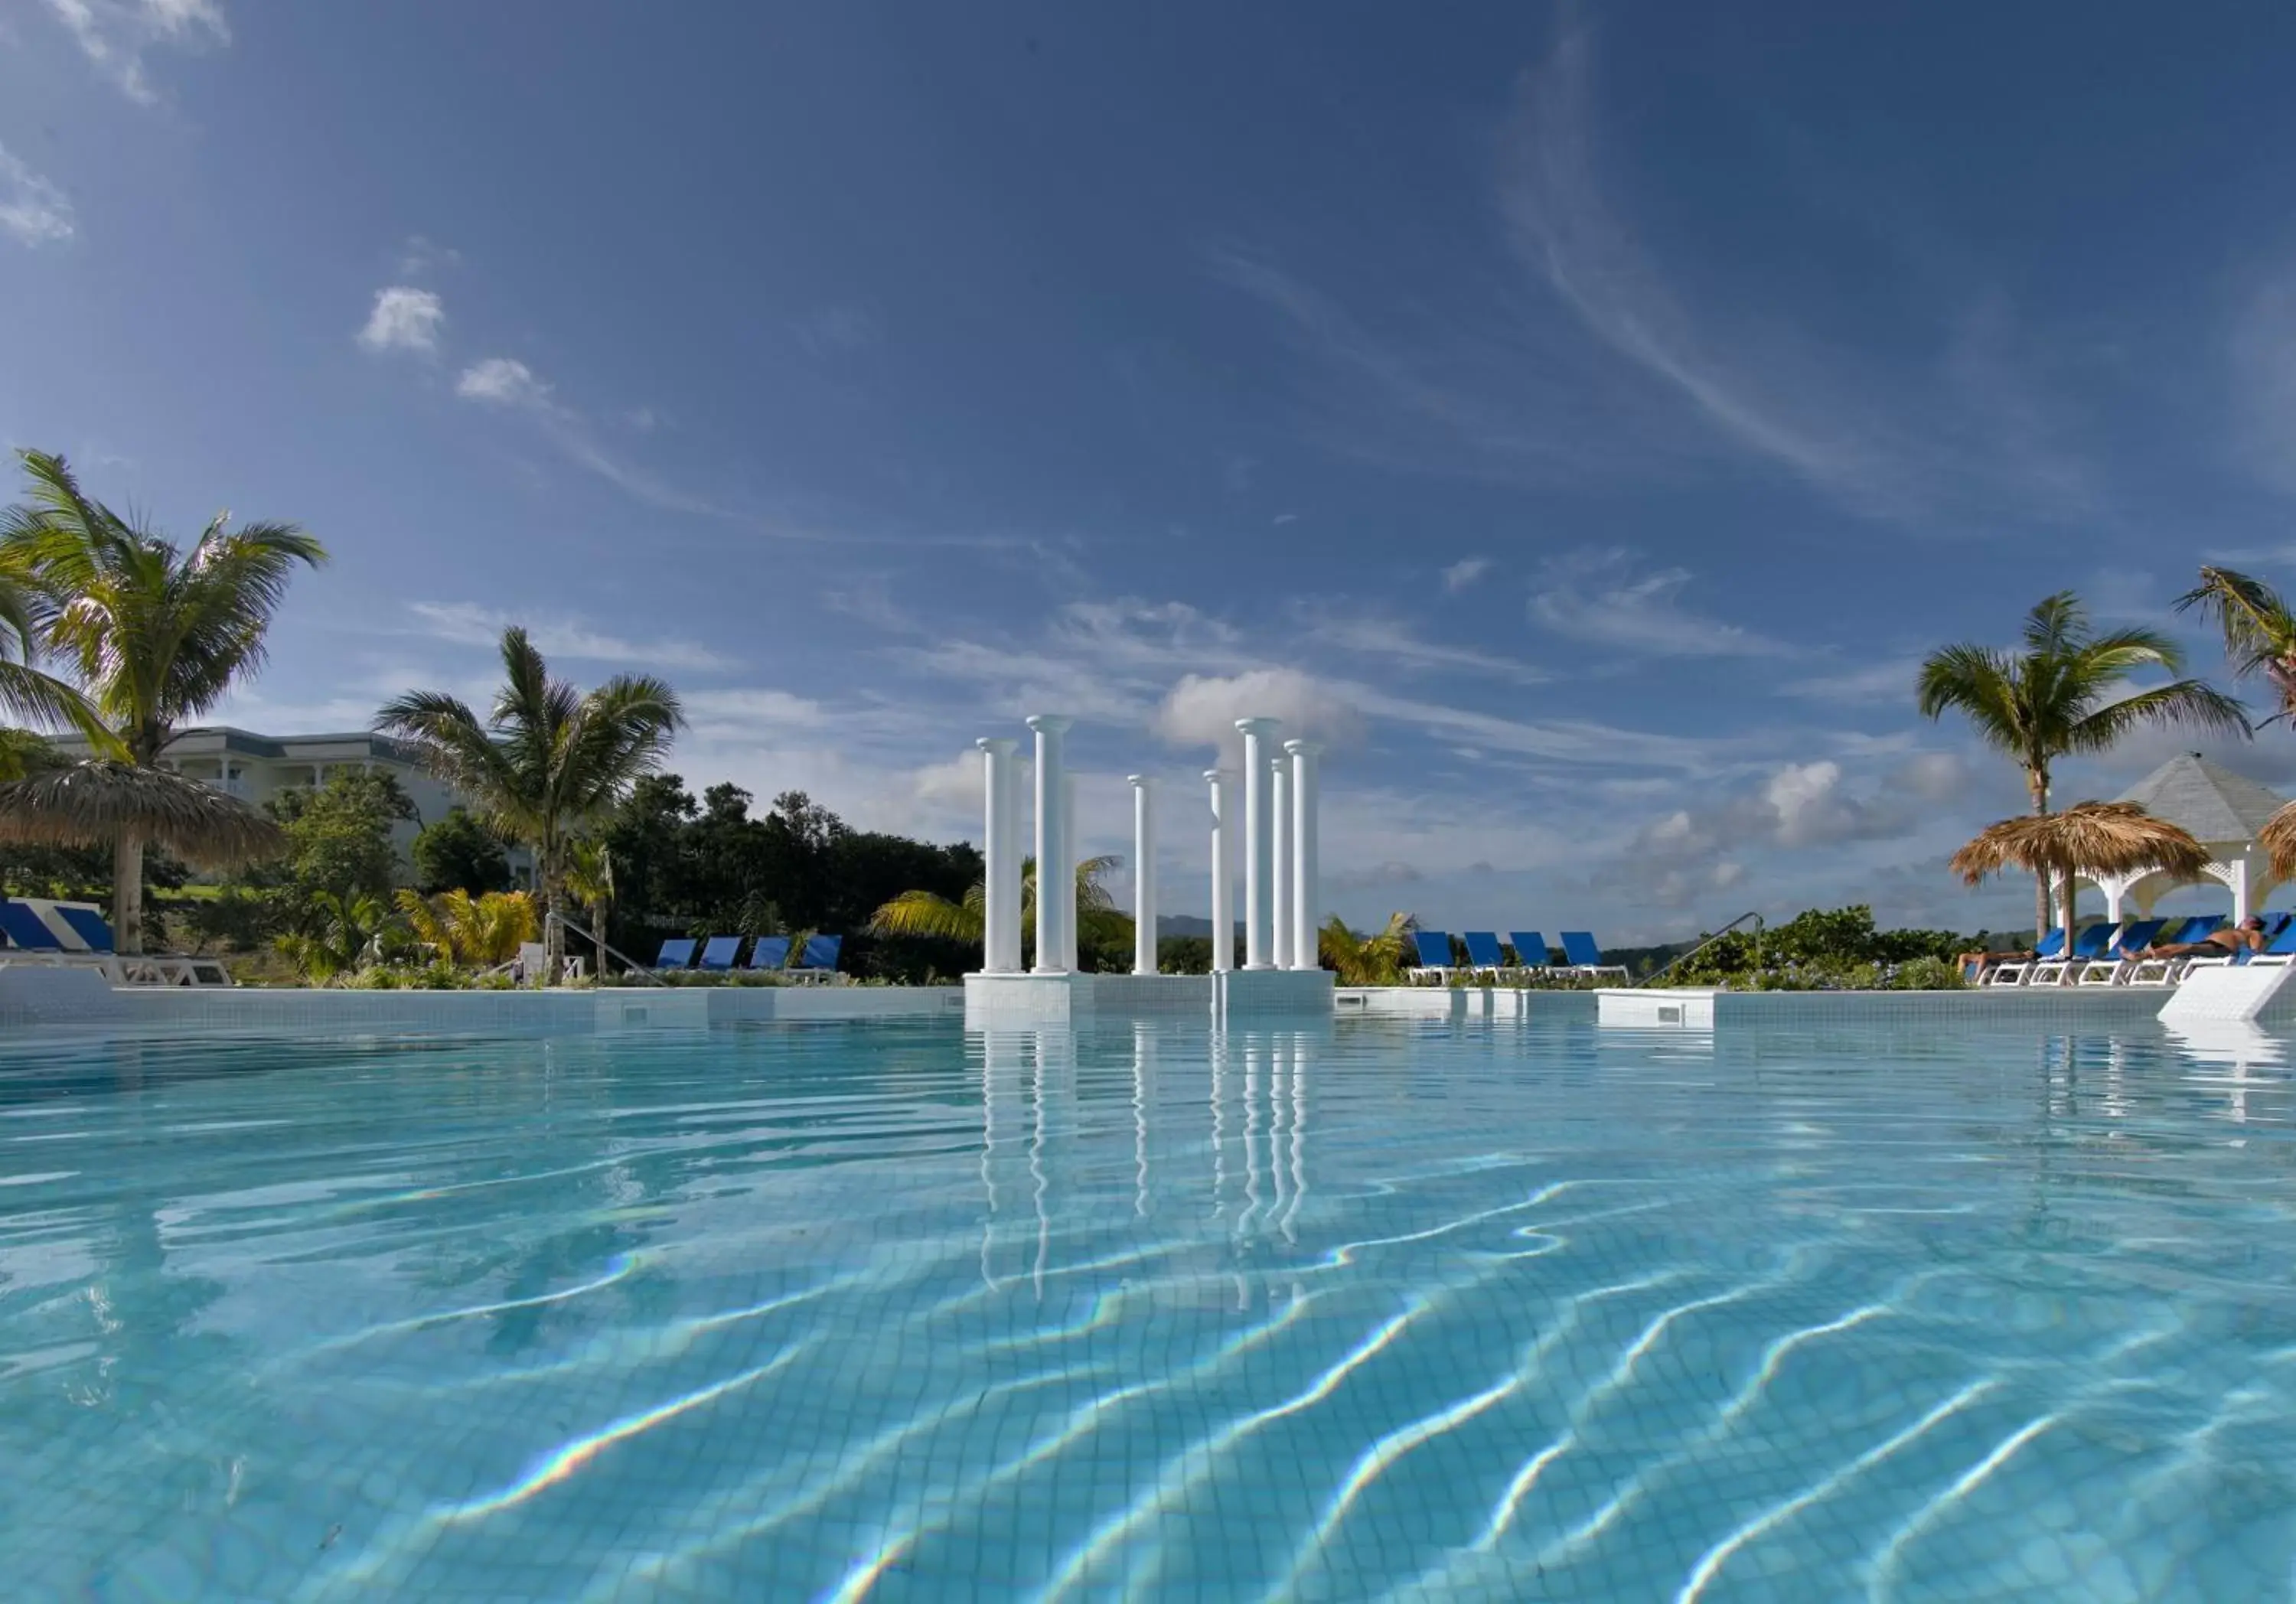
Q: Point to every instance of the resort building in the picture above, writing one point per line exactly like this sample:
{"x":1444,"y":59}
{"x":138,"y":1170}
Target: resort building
{"x":2226,"y":812}
{"x":256,"y":768}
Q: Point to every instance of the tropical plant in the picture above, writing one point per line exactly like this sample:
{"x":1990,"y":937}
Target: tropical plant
{"x":2065,"y":693}
{"x":930,"y":914}
{"x":480,"y":931}
{"x":457,"y":851}
{"x":590,"y":881}
{"x":156,"y":634}
{"x":1375,"y":960}
{"x":547,"y":760}
{"x":2099,"y":838}
{"x":341,"y":934}
{"x":2259,"y":630}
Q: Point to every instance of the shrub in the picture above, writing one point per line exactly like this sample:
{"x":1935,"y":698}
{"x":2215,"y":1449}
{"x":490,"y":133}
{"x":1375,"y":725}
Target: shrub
{"x":1928,"y":973}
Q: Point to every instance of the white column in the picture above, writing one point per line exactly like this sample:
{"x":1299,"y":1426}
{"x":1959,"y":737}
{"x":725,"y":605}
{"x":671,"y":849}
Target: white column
{"x":1223,"y":876}
{"x":1280,"y":858}
{"x":1068,"y":867}
{"x":1306,"y":870}
{"x":1000,"y":935}
{"x":1051,"y":844}
{"x":1144,"y":878}
{"x":1258,"y":867}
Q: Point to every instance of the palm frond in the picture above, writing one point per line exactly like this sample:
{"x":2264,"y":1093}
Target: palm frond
{"x":926,"y":913}
{"x":2187,"y":702}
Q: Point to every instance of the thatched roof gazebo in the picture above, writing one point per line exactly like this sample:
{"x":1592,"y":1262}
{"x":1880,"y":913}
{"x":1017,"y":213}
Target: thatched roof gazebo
{"x":2110,"y":837}
{"x":2225,"y":811}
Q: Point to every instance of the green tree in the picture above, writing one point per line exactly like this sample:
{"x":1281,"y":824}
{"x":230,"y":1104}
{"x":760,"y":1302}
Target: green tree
{"x":2259,"y":632}
{"x":590,"y":881}
{"x":921,"y":912}
{"x":157,"y":634}
{"x":547,"y":762}
{"x":1373,"y":959}
{"x":2066,"y":693}
{"x":338,"y":833}
{"x":340,"y":934}
{"x":456,"y":853}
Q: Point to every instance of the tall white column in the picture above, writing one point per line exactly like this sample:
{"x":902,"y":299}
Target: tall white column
{"x":1051,"y":844}
{"x":1000,"y":939}
{"x":1305,"y":892}
{"x":1223,"y":875}
{"x":1144,"y":878}
{"x":1258,"y":848}
{"x":1280,"y":789}
{"x":1069,"y":833}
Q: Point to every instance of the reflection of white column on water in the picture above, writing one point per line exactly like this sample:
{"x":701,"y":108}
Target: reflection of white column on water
{"x":1143,"y":1073}
{"x":995,"y":1067}
{"x":1299,"y":1133}
{"x":1278,"y":1060}
{"x":1255,"y":1057}
{"x":1036,"y":1156}
{"x":1220,"y":1124}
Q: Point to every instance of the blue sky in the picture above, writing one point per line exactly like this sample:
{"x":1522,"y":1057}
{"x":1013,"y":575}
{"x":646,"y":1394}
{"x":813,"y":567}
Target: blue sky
{"x":1584,"y":420}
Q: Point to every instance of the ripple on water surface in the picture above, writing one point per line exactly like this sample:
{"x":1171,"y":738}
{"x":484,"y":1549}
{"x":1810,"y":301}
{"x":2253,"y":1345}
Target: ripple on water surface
{"x":1373,"y":1310}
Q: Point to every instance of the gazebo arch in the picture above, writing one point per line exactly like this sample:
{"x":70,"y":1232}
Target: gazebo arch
{"x":2223,"y":811}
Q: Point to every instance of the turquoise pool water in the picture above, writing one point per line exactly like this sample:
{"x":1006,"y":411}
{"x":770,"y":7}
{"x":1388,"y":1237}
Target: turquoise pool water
{"x":1368,"y":1310}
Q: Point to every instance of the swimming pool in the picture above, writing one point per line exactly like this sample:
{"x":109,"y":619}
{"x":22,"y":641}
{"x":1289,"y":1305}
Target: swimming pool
{"x":1372,"y":1309}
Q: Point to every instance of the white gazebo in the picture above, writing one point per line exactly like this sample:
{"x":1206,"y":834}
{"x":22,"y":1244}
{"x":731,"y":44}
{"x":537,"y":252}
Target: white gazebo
{"x":2224,"y":811}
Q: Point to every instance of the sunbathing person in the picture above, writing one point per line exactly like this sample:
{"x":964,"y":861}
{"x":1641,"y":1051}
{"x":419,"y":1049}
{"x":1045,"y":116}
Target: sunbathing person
{"x":2246,"y":936}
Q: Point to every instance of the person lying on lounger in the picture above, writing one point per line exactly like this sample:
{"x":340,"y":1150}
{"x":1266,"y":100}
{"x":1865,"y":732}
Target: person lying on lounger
{"x":2248,"y":935}
{"x":1973,"y":964}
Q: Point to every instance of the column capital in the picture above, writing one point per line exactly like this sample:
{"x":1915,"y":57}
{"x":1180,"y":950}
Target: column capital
{"x":1303,"y":749}
{"x":1141,"y":780}
{"x":1049,"y":723}
{"x":1258,"y":725}
{"x":1218,"y":774}
{"x":1004,"y":746}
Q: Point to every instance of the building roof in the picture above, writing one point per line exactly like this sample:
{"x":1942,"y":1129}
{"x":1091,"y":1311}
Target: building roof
{"x":202,"y":741}
{"x":2217,"y":806}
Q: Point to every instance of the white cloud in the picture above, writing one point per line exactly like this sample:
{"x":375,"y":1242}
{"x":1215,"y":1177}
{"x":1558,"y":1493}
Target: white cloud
{"x":843,"y":327}
{"x":469,"y":623}
{"x":1600,"y":597}
{"x":503,"y":381}
{"x":1890,"y":680}
{"x":2263,"y":354}
{"x":32,"y":208}
{"x":421,"y":257}
{"x":1464,"y":572}
{"x":1202,"y":709}
{"x":1396,"y":644}
{"x":406,"y":319}
{"x":115,"y":34}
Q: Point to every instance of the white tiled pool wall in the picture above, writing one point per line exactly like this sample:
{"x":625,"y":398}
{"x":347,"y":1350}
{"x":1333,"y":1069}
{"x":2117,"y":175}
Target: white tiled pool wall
{"x":43,"y":997}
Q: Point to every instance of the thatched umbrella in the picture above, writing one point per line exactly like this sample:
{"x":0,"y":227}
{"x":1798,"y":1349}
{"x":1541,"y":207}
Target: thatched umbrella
{"x":99,"y":802}
{"x":2100,"y":838}
{"x":2278,"y":837}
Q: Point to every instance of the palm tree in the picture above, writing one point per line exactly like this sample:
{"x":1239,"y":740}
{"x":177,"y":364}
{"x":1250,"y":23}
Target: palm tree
{"x":590,"y":881}
{"x":341,"y":933}
{"x":157,"y":634}
{"x":481,"y":931}
{"x":547,"y":760}
{"x":2065,"y":694}
{"x":2259,"y":632}
{"x":930,"y":914}
{"x":2102,"y":837}
{"x":1366,"y":959}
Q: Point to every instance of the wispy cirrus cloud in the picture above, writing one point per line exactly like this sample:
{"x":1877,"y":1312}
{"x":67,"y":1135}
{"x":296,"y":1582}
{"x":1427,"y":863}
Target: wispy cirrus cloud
{"x":509,"y":384}
{"x":33,"y":210}
{"x":115,"y":35}
{"x":470,"y":623}
{"x":1602,"y":597}
{"x":1464,"y":573}
{"x":405,"y":319}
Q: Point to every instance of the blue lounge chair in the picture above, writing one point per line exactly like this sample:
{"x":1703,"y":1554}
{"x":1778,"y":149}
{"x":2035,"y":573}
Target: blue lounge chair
{"x":1434,"y":953}
{"x":25,"y":930}
{"x":88,"y":925}
{"x":2280,"y":950}
{"x":1483,"y":951}
{"x":2168,"y":972}
{"x":2118,"y":958}
{"x":719,"y":953}
{"x":2094,"y":942}
{"x":1582,"y":955}
{"x":2049,"y":947}
{"x":2017,"y":971}
{"x":771,"y":953}
{"x":677,"y":953}
{"x":1530,"y":949}
{"x":818,"y":961}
